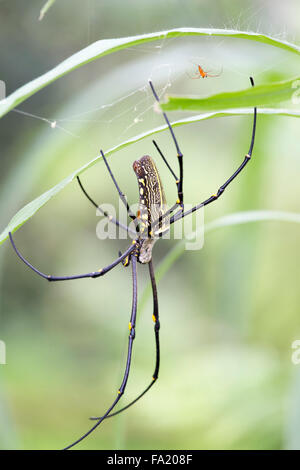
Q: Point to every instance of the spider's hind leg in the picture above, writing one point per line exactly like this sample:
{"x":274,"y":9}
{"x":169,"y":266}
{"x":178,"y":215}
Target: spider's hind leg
{"x":155,"y":318}
{"x":131,"y":338}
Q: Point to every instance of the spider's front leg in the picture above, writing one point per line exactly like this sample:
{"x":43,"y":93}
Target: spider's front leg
{"x":93,"y":274}
{"x":174,"y":207}
{"x":215,"y":196}
{"x":179,"y":181}
{"x":121,"y":194}
{"x":104,"y":213}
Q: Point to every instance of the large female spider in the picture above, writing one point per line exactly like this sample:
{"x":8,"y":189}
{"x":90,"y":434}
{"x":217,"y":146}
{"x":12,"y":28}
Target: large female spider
{"x":151,"y":222}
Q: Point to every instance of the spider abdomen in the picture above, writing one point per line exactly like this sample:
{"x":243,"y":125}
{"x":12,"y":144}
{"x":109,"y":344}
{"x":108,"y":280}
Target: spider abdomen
{"x":152,"y":206}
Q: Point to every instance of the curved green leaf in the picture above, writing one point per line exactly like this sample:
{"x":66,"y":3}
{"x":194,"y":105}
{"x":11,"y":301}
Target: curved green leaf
{"x":30,"y":209}
{"x":261,"y":95}
{"x":108,"y":46}
{"x":236,"y":218}
{"x":45,"y":8}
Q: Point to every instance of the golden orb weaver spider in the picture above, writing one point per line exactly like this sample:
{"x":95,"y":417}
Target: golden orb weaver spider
{"x":151,"y":222}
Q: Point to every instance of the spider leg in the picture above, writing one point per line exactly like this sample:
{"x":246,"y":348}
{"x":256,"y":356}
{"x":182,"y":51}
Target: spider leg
{"x":121,"y":195}
{"x":125,"y":261}
{"x":106,"y":214}
{"x":179,"y":153}
{"x":222,"y":188}
{"x":92,"y":274}
{"x":197,"y":75}
{"x":129,"y":354}
{"x":165,"y":160}
{"x":174,"y":207}
{"x":169,"y":211}
{"x":155,"y":317}
{"x":215,"y":74}
{"x":212,"y":75}
{"x":158,"y":221}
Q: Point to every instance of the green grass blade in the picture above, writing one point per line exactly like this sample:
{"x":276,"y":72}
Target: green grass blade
{"x":45,"y":8}
{"x":236,"y":218}
{"x":30,"y":209}
{"x":108,"y":46}
{"x":261,"y":95}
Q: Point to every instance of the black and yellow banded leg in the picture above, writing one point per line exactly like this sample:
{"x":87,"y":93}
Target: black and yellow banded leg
{"x":215,"y":196}
{"x":179,"y":153}
{"x":132,"y":324}
{"x":155,"y":318}
{"x":121,"y":194}
{"x":125,"y":261}
{"x":177,"y":181}
{"x":94,"y":274}
{"x":104,"y":213}
{"x":180,"y":181}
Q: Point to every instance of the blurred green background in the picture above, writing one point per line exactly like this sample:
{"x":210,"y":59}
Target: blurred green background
{"x":229,"y":312}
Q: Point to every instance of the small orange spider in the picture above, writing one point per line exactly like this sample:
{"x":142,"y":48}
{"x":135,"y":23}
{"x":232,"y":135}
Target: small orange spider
{"x":202,"y":74}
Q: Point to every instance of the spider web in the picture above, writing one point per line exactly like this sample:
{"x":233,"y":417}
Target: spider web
{"x":121,"y":98}
{"x":116,"y":103}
